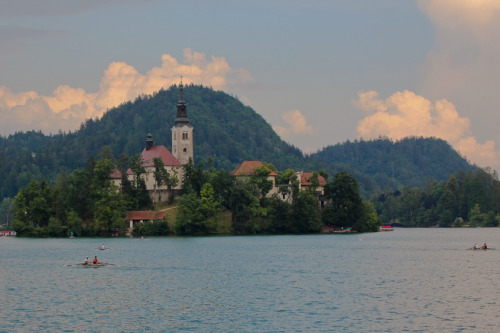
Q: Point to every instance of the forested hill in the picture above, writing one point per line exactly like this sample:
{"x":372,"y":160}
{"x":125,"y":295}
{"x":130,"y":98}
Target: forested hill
{"x":226,"y":130}
{"x":388,"y":164}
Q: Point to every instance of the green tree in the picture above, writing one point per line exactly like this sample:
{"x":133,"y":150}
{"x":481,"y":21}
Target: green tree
{"x":280,"y":216}
{"x":208,"y":202}
{"x":110,"y":210}
{"x":409,"y":203}
{"x":368,"y":221}
{"x":136,"y":165}
{"x":305,"y":214}
{"x":74,"y":223}
{"x":223,"y":183}
{"x":194,"y":178}
{"x":448,"y":206}
{"x":32,"y":208}
{"x":246,"y":208}
{"x":162,"y":177}
{"x":109,"y":205}
{"x":261,"y":181}
{"x":346,"y":205}
{"x":288,"y":184}
{"x":190,"y":219}
{"x":476,"y":217}
{"x":5,"y":212}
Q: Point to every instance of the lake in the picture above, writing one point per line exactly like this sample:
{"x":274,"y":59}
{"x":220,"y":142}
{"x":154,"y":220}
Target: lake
{"x":408,"y":280}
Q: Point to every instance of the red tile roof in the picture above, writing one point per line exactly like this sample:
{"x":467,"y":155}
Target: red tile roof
{"x":147,"y":157}
{"x":116,"y":174}
{"x":145,"y":215}
{"x":247,"y":168}
{"x":159,"y":151}
{"x":304,"y":179}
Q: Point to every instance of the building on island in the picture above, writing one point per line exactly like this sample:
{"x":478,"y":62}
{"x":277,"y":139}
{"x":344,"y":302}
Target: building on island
{"x":135,"y":217}
{"x":247,"y":169}
{"x":182,"y":153}
{"x":305,"y":182}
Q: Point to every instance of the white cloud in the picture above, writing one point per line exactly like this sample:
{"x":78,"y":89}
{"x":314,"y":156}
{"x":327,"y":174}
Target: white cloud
{"x":297,"y":125}
{"x":451,"y":14}
{"x":68,"y":107}
{"x":463,"y":66}
{"x":406,"y":114}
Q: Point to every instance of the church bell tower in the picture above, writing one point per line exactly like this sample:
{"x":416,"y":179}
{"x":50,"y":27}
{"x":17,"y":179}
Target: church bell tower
{"x":182,"y":132}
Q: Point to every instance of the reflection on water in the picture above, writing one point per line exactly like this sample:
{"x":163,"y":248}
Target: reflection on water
{"x":409,"y":280}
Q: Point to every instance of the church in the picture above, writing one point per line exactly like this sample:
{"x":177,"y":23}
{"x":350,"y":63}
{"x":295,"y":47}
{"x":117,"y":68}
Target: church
{"x":182,"y":153}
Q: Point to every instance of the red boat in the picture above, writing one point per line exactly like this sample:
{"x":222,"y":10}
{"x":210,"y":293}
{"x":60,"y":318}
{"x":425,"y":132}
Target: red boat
{"x":386,"y":227}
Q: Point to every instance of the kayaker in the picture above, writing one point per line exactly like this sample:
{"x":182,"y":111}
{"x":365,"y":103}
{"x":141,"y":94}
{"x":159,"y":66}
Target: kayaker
{"x":476,"y":247}
{"x":484,"y":247}
{"x":103,"y":247}
{"x":96,"y":261}
{"x":86,"y":261}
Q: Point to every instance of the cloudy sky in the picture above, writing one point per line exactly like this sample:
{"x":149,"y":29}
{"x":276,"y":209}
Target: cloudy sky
{"x":320,"y":72}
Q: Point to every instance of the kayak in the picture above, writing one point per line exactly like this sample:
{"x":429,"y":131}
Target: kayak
{"x":102,"y":264}
{"x":473,"y":249}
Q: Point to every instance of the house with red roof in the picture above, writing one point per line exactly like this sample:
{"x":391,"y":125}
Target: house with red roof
{"x":305,"y":179}
{"x":247,"y":169}
{"x":136,"y":217}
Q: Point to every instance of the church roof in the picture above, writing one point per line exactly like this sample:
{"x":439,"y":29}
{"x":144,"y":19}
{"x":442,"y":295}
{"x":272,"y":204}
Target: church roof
{"x":247,"y":169}
{"x":159,"y":151}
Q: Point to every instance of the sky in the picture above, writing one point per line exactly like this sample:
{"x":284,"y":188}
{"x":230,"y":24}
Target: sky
{"x":321,"y":72}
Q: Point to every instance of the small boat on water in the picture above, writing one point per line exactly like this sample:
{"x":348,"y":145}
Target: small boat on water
{"x":344,"y":231}
{"x":336,"y":230}
{"x":484,"y":247}
{"x":92,"y":265}
{"x":386,"y":227}
{"x":480,"y":249}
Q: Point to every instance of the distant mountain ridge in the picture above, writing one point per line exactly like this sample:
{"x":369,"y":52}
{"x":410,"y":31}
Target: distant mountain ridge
{"x":409,"y":162}
{"x":226,"y":131}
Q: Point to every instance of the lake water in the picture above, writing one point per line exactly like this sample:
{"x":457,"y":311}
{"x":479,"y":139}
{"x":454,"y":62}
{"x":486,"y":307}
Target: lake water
{"x":408,"y":280}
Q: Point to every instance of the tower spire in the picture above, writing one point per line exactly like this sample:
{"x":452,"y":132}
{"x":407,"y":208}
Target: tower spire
{"x":181,"y":108}
{"x":181,"y":92}
{"x":182,"y":131}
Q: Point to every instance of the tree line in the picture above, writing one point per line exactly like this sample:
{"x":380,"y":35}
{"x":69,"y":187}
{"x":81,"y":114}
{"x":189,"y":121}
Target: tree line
{"x":86,"y":202}
{"x":469,"y":198}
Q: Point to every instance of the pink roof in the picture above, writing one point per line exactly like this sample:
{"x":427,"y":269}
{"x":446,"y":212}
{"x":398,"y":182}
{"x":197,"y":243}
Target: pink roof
{"x":145,"y":215}
{"x":116,"y":174}
{"x":247,"y":168}
{"x":304,"y":180}
{"x":159,"y":151}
